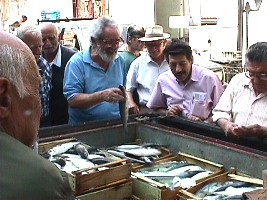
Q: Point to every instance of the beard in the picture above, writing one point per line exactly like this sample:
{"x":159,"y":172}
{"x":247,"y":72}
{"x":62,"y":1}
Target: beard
{"x":104,"y":56}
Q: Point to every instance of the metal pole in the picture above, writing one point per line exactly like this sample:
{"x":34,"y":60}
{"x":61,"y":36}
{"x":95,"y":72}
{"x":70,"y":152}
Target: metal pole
{"x":240,"y":26}
{"x":247,"y":9}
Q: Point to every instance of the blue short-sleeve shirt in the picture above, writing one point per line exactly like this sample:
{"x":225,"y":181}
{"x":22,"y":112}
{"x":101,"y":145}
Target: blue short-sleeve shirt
{"x":83,"y":75}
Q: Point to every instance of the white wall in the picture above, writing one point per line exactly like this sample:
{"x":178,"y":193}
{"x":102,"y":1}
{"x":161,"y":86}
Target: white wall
{"x":139,"y":12}
{"x":35,"y":7}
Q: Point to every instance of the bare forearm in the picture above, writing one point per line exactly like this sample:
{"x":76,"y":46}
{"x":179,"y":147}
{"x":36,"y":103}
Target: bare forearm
{"x":84,"y":100}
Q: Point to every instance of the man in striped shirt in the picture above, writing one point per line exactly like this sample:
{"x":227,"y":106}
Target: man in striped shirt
{"x":32,"y":37}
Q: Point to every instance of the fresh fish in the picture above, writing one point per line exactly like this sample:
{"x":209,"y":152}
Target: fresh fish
{"x":60,"y":161}
{"x":61,"y":148}
{"x":226,"y":190}
{"x":141,"y":152}
{"x":100,"y":161}
{"x":163,"y":167}
{"x":122,"y":155}
{"x":124,"y":108}
{"x":184,"y":183}
{"x":81,"y":150}
{"x":128,"y":146}
{"x":201,"y":175}
{"x":74,"y":163}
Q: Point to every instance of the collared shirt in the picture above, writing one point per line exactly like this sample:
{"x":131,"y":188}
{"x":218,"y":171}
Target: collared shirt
{"x":168,"y":91}
{"x":45,"y":85}
{"x":57,"y":59}
{"x":143,"y":74}
{"x":240,"y":104}
{"x":83,"y":75}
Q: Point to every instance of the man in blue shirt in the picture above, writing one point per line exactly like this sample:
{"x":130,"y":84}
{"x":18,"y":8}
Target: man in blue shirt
{"x":92,"y":76}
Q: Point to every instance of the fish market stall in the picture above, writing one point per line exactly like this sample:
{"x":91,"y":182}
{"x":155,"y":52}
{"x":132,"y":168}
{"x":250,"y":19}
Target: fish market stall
{"x":179,"y":135}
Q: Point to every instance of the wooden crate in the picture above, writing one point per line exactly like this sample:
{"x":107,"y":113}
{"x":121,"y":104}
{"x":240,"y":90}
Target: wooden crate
{"x":122,"y":191}
{"x":97,"y":177}
{"x":145,"y":188}
{"x":226,"y":176}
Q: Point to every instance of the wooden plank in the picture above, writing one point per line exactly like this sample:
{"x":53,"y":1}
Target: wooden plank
{"x":119,"y":192}
{"x":92,"y":181}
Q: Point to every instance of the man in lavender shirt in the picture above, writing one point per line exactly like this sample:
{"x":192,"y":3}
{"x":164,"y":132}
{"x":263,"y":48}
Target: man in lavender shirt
{"x":187,"y":89}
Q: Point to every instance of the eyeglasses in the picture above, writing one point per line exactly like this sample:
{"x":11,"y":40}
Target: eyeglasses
{"x":261,"y":76}
{"x":111,"y":42}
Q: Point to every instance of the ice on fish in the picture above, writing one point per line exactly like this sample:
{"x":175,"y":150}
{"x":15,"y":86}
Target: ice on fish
{"x":74,"y":163}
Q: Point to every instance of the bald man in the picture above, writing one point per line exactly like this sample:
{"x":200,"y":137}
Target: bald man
{"x":57,"y":55}
{"x":24,"y":173}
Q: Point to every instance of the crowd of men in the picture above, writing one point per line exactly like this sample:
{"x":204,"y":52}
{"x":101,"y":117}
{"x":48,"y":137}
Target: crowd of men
{"x":43,"y":83}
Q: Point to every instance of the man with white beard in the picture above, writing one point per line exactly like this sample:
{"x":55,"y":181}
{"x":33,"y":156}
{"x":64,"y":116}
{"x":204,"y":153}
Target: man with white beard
{"x":92,"y":76}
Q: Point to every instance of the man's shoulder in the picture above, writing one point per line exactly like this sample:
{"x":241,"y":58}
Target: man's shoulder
{"x":67,"y":50}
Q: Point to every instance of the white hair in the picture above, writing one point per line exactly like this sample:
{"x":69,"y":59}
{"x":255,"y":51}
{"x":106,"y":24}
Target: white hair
{"x":13,"y":66}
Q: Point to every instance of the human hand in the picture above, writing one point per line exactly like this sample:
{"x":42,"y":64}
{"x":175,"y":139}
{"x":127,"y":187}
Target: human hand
{"x":254,"y":130}
{"x":174,"y":110}
{"x":194,"y":118}
{"x":113,"y":95}
{"x":133,"y":108}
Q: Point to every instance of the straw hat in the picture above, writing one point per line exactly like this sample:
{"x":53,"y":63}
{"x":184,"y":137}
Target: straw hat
{"x":154,"y":33}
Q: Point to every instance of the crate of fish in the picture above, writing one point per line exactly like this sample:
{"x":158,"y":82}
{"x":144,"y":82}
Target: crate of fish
{"x":140,"y":154}
{"x":119,"y":191}
{"x":164,"y":179}
{"x":89,"y":169}
{"x":229,"y":185}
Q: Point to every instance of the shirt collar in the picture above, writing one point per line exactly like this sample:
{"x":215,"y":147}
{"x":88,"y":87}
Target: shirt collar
{"x":194,"y":74}
{"x":57,"y":59}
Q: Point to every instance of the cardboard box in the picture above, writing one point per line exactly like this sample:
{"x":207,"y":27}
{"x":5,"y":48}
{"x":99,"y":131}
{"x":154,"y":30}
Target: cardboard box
{"x":145,"y":188}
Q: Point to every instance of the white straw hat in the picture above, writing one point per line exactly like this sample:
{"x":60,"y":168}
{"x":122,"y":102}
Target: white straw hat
{"x":154,"y":33}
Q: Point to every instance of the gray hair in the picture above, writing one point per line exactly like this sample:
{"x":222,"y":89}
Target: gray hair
{"x":257,"y":52}
{"x":13,"y":66}
{"x":24,"y":29}
{"x":99,"y":25}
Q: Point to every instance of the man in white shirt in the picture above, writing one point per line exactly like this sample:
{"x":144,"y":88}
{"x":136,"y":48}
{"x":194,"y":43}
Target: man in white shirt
{"x":242,"y":108}
{"x":145,"y":69}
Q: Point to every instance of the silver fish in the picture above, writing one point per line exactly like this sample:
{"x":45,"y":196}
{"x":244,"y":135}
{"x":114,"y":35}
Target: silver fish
{"x":81,"y":150}
{"x":61,"y":148}
{"x":124,"y":108}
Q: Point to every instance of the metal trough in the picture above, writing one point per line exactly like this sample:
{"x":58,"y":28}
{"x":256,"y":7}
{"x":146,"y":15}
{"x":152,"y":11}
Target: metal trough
{"x":180,"y":135}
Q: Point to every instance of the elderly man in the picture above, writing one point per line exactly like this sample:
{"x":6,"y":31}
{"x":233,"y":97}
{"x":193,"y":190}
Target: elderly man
{"x":24,"y":173}
{"x":242,"y":109}
{"x":58,"y":56}
{"x":31,"y":36}
{"x":92,"y":76}
{"x":187,"y":89}
{"x":145,"y":69}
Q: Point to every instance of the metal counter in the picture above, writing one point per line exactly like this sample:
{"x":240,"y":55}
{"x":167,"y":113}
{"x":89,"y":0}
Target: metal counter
{"x":179,"y":135}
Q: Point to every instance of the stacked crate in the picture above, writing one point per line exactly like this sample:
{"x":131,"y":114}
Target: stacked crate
{"x":145,"y":188}
{"x":111,"y":180}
